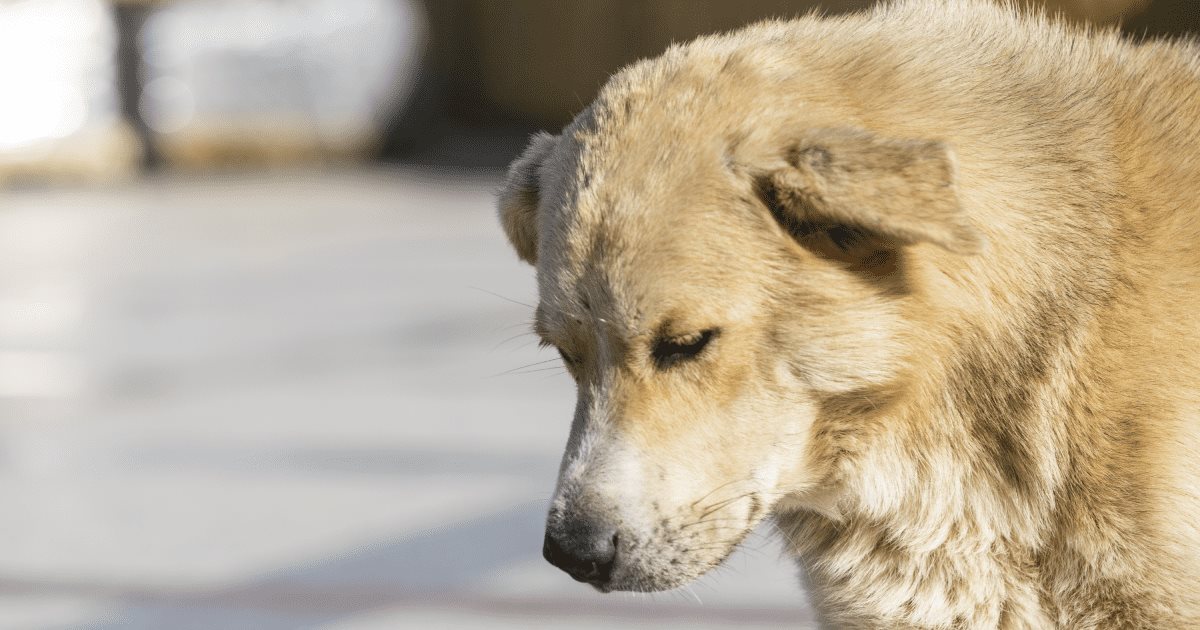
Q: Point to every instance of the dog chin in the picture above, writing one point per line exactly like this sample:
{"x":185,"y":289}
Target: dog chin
{"x":654,"y":583}
{"x":670,"y":575}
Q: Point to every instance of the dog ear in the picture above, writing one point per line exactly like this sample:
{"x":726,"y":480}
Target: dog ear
{"x":898,"y":191}
{"x":518,"y":200}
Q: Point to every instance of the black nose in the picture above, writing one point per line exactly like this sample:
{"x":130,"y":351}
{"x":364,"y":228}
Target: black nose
{"x":586,"y":553}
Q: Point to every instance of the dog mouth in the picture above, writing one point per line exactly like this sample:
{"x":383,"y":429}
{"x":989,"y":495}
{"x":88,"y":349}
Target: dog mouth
{"x":672,"y":564}
{"x":669,"y":556}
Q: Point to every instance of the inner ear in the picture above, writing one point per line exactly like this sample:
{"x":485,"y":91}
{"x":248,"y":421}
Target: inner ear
{"x":860,"y":251}
{"x":872,"y":255}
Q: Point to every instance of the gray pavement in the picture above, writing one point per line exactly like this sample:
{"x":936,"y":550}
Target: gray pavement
{"x":293,"y":401}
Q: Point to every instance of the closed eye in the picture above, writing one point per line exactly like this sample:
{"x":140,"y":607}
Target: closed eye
{"x":670,"y":351}
{"x":567,"y":358}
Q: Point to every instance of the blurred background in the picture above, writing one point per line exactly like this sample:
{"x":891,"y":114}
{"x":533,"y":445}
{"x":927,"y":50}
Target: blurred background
{"x":264,"y":353}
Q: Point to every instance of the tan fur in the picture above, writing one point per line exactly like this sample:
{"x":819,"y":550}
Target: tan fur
{"x":951,"y":254}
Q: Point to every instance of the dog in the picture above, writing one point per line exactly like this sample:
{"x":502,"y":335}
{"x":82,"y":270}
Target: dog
{"x":919,"y":284}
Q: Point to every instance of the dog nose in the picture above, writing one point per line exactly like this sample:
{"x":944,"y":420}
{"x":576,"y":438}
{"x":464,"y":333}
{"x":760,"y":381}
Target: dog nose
{"x":586,"y":554}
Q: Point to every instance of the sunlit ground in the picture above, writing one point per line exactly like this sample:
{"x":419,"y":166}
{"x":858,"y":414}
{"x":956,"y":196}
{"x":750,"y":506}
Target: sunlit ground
{"x":292,"y":402}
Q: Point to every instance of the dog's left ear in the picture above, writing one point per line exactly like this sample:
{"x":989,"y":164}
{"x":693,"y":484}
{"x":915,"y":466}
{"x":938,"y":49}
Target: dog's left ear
{"x":518,"y":202}
{"x":901,"y":190}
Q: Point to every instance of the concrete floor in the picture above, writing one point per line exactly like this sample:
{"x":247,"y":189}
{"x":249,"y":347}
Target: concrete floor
{"x":279,"y":402}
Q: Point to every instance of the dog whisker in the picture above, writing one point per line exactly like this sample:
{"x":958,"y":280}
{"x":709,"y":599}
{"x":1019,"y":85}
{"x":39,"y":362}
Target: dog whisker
{"x":506,"y":299}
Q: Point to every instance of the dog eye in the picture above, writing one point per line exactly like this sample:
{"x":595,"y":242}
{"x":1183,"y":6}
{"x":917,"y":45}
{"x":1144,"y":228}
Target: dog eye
{"x":668,"y":352}
{"x":567,"y":358}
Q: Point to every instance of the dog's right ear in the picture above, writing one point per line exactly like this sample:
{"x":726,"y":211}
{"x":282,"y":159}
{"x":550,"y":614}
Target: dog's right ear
{"x":519,"y":197}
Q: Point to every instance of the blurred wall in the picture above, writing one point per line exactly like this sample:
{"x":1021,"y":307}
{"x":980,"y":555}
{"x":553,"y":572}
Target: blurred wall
{"x":1098,"y":11}
{"x":1165,"y":18}
{"x":260,"y":83}
{"x":541,"y":61}
{"x":547,"y":59}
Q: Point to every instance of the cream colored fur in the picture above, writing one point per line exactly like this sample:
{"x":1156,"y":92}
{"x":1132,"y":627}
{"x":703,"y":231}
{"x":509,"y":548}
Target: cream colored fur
{"x":950,"y":256}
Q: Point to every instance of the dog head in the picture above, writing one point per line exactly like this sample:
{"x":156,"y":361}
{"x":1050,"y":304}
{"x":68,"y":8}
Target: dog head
{"x":718,"y":282}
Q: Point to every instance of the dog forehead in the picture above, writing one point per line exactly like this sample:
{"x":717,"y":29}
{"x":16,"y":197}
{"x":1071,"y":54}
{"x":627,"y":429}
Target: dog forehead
{"x":634,"y":276}
{"x":589,"y":280}
{"x":641,"y":215}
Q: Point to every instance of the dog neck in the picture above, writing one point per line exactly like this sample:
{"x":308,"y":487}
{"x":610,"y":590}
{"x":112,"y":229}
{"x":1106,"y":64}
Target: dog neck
{"x":968,"y":479}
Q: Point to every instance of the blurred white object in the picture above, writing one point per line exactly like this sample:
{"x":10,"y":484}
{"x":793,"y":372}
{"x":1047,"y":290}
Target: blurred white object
{"x":60,"y":111}
{"x":276,"y":79}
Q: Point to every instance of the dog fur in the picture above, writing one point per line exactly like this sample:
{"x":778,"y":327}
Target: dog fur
{"x":947,"y":258}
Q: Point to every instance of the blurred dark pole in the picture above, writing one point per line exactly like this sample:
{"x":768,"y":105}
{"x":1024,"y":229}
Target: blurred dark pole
{"x":130,"y":18}
{"x":445,"y":61}
{"x":451,"y":120}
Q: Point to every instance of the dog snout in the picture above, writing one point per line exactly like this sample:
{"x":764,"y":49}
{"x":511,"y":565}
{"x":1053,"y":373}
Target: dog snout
{"x":585,"y":548}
